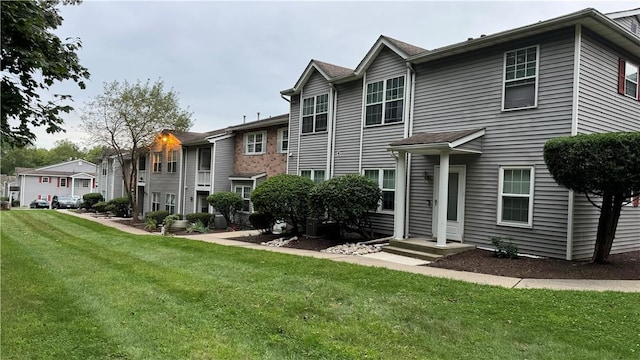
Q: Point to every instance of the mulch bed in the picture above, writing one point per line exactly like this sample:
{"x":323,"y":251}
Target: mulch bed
{"x":620,"y":267}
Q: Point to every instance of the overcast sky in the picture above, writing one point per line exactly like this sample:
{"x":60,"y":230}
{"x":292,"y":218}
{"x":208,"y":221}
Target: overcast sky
{"x":229,"y":59}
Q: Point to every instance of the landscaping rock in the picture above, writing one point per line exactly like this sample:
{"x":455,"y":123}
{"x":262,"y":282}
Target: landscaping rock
{"x":353,"y":249}
{"x":279,"y":242}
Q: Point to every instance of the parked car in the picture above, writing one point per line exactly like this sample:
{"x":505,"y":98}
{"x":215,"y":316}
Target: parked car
{"x":64,"y":202}
{"x":39,"y":204}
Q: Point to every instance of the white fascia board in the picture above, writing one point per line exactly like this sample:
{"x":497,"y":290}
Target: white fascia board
{"x":375,"y":51}
{"x":64,"y":163}
{"x":467,"y":138}
{"x":306,"y":74}
{"x":252,"y":178}
{"x":623,"y":13}
{"x":215,"y":138}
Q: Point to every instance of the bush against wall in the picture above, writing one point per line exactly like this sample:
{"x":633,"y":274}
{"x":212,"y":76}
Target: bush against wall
{"x":226,"y":203}
{"x":204,"y":218}
{"x":158,"y":216}
{"x":347,"y":200}
{"x":121,"y":206}
{"x":262,"y":221}
{"x":285,"y":197}
{"x":91,"y":199}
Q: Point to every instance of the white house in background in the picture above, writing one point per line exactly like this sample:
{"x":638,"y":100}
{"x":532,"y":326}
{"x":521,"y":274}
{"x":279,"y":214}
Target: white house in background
{"x":74,"y":177}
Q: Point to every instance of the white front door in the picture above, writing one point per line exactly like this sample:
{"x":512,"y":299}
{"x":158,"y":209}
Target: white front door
{"x":455,"y":201}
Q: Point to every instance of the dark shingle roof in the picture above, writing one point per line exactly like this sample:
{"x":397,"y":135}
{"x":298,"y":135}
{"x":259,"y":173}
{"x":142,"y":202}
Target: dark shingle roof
{"x":333,"y":71}
{"x":407,"y":48}
{"x":434,"y":138}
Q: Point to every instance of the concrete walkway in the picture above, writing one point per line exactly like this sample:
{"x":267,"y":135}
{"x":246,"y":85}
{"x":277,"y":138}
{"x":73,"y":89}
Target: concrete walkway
{"x":394,"y":262}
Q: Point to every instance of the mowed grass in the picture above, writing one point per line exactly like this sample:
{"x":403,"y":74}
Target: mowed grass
{"x":74,"y":289}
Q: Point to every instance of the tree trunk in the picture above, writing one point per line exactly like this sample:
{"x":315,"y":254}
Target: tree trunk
{"x":607,"y":225}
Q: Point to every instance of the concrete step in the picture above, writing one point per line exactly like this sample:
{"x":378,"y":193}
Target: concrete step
{"x":411,"y":253}
{"x":427,"y":246}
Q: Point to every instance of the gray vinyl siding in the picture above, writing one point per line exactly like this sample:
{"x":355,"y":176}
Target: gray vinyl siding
{"x":602,"y":109}
{"x":474,"y":145}
{"x":165,"y":182}
{"x":223,"y":166}
{"x":375,"y":139}
{"x":117,"y":181}
{"x":313,"y":146}
{"x":294,"y":130}
{"x":348,"y":127}
{"x":465,"y":93}
{"x":626,"y":22}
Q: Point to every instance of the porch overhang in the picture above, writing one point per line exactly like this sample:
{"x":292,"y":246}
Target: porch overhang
{"x":433,"y":143}
{"x":246,"y":177}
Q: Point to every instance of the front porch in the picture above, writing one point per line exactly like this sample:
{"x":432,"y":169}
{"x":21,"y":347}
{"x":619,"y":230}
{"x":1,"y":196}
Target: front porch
{"x":424,"y":248}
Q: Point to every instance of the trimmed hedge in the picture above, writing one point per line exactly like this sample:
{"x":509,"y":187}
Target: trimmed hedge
{"x":226,"y":203}
{"x":121,"y":206}
{"x":262,"y":221}
{"x":102,"y":207}
{"x":158,"y":216}
{"x":204,"y":218}
{"x":91,"y":199}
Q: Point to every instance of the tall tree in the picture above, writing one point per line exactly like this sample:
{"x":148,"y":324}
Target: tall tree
{"x":127,"y":118}
{"x":64,"y":150}
{"x":606,"y":166}
{"x":33,"y":59}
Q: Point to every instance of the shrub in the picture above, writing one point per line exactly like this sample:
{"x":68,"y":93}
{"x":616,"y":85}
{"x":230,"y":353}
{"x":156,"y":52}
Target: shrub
{"x":285,"y":197}
{"x":226,"y":203}
{"x":204,"y":218}
{"x":15,"y":203}
{"x":150,"y":224}
{"x":262,"y":221}
{"x":102,"y":207}
{"x":198,"y":226}
{"x":504,"y":249}
{"x":158,"y":216}
{"x":91,"y":199}
{"x":121,"y":206}
{"x":347,"y":200}
{"x":4,"y":198}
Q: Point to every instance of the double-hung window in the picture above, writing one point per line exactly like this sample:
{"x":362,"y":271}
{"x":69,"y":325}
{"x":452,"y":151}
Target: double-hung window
{"x":82,"y":183}
{"x":157,"y":162}
{"x":521,"y":78}
{"x":255,"y":143}
{"x":44,"y":179}
{"x":314,"y":113}
{"x":170,"y":203}
{"x":515,"y":196}
{"x":245,"y":194}
{"x":385,"y":101}
{"x":172,"y":161}
{"x":155,"y":201}
{"x":628,"y":79}
{"x":317,"y":176}
{"x":63,"y":182}
{"x":283,"y":140}
{"x":386,"y":180}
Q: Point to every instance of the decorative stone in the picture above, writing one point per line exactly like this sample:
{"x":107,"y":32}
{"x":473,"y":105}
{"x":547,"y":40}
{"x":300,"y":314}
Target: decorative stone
{"x":353,"y":249}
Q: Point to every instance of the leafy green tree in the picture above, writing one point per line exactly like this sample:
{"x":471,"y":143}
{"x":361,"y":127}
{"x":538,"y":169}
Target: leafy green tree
{"x":602,"y":165}
{"x":93,"y":154}
{"x":34,"y":59}
{"x":127,"y":118}
{"x":64,"y":150}
{"x":285,"y":197}
{"x":347,"y":200}
{"x":28,"y":157}
{"x":226,"y":203}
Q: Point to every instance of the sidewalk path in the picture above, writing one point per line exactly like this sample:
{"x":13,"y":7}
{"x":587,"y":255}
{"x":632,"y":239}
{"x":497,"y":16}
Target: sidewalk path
{"x":395,"y":262}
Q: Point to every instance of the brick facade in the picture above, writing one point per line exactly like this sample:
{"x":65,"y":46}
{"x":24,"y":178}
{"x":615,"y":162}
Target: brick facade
{"x":272,"y":162}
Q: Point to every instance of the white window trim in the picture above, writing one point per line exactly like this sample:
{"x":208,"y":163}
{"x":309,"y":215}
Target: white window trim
{"x":65,"y":182}
{"x":532,"y":169}
{"x":384,"y":102}
{"x":313,"y":174}
{"x":46,"y":179}
{"x":235,"y":189}
{"x":627,"y":62}
{"x":380,"y":184}
{"x":167,"y":203}
{"x":172,"y":159}
{"x":245,"y":143}
{"x":155,"y":200}
{"x":156,"y":156}
{"x":281,"y":139}
{"x":314,"y":114}
{"x":537,"y":77}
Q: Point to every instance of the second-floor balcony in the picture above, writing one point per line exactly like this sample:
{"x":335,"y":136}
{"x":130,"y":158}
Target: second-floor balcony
{"x":204,"y":178}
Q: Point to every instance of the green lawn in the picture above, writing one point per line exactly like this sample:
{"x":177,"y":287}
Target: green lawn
{"x":74,"y":289}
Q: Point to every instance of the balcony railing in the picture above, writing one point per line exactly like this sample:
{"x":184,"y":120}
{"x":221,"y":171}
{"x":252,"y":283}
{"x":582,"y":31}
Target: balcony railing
{"x":204,"y":178}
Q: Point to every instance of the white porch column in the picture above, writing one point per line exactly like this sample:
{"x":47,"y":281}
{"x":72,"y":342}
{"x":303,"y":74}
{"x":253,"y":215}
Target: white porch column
{"x":443,"y":193}
{"x":73,"y":186}
{"x":400,"y":196}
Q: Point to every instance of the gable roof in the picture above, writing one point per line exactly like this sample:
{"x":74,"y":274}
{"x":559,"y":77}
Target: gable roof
{"x":263,"y":123}
{"x":64,"y":163}
{"x":39,"y":172}
{"x":328,"y":71}
{"x":403,"y":49}
{"x":624,"y":13}
{"x":604,"y":26}
{"x":431,"y":143}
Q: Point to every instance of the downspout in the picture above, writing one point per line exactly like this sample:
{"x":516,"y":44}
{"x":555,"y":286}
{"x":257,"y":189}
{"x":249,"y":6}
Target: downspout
{"x":299,"y":134}
{"x":331,"y":131}
{"x":288,"y":132}
{"x":574,"y":131}
{"x":214,"y":150}
{"x":333,"y":137}
{"x":412,"y":75}
{"x":362,"y":117}
{"x":182,"y":188}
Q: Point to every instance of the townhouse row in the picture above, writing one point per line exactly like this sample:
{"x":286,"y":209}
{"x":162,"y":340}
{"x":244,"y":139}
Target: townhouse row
{"x":453,"y":136}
